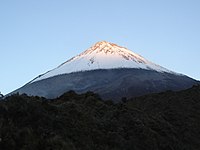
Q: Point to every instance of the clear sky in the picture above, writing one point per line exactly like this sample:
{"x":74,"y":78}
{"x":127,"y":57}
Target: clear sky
{"x":38,"y":35}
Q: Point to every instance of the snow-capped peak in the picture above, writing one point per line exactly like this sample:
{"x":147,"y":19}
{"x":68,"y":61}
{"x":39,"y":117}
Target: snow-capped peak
{"x":103,"y":47}
{"x":103,"y":55}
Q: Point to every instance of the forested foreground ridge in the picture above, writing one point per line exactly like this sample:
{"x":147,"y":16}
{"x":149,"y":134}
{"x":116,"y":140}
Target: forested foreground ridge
{"x":163,"y":121}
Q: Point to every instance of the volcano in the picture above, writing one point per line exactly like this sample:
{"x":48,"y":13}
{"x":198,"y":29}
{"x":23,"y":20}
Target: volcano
{"x":111,"y":71}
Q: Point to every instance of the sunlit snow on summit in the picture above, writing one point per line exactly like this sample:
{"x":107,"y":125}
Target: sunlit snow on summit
{"x":103,"y":55}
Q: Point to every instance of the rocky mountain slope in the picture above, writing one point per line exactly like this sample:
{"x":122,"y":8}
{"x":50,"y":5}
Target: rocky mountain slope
{"x":109,"y":70}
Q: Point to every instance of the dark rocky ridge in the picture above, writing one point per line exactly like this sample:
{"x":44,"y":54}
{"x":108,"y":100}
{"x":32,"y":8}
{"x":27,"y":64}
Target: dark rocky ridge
{"x":109,"y":83}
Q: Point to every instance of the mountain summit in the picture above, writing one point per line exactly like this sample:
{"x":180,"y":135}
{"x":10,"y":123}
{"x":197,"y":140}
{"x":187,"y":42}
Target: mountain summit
{"x":111,"y":71}
{"x":103,"y":55}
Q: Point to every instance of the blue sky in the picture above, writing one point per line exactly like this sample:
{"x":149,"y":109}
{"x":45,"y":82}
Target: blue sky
{"x":36,"y":36}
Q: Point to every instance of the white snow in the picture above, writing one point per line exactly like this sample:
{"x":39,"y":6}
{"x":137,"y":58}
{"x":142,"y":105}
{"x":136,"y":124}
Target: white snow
{"x":103,"y":55}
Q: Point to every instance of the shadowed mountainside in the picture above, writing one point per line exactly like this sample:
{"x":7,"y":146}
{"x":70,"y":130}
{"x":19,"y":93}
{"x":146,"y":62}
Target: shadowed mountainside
{"x":105,"y":82}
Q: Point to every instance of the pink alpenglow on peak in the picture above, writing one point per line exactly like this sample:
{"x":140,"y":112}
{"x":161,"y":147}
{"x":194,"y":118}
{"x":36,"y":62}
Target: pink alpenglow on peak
{"x":103,"y":55}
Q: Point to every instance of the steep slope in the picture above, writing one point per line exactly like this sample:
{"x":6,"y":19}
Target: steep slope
{"x":109,"y":83}
{"x":103,"y":55}
{"x":109,"y":70}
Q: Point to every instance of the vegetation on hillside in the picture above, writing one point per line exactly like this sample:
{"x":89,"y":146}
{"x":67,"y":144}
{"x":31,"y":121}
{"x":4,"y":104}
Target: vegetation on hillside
{"x":164,"y":121}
